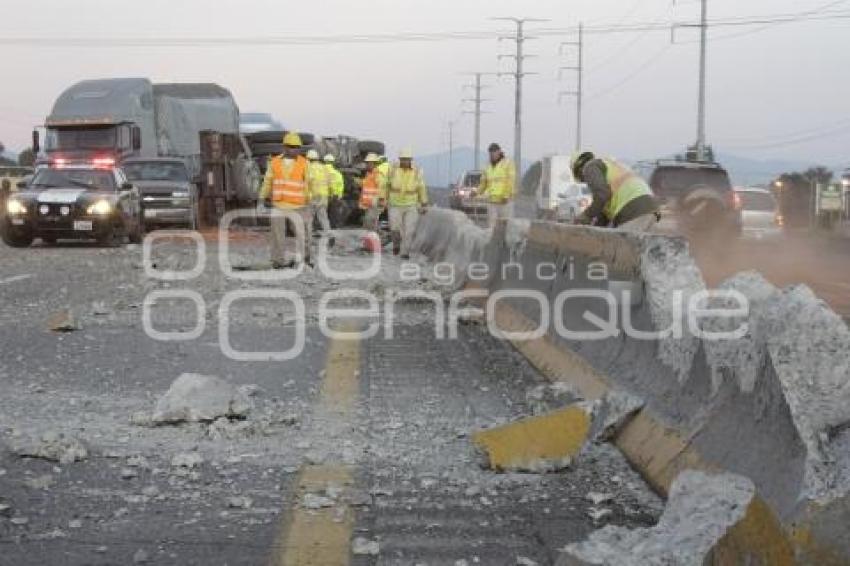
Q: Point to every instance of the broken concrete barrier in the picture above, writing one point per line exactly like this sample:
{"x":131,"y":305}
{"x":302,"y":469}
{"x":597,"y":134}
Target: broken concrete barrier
{"x":701,"y":511}
{"x":200,"y":398}
{"x":52,"y":446}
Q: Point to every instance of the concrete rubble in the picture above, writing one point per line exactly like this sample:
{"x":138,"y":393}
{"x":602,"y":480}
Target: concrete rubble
{"x":701,"y":509}
{"x":52,"y":446}
{"x":200,"y":398}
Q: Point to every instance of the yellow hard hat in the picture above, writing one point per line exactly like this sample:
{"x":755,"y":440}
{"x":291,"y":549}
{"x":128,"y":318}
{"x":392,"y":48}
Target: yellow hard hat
{"x":292,"y":139}
{"x":329,"y":158}
{"x":406,"y":153}
{"x":372,"y":158}
{"x":313,"y":155}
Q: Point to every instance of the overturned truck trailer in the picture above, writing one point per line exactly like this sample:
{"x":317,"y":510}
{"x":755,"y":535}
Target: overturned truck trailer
{"x":752,"y":382}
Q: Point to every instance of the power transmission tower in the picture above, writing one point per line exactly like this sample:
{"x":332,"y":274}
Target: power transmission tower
{"x":451,"y":151}
{"x":579,"y":91}
{"x":477,"y":101}
{"x":520,"y":38}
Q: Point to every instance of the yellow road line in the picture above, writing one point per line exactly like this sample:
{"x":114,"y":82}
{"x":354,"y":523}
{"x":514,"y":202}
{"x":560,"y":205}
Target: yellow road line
{"x":322,"y":537}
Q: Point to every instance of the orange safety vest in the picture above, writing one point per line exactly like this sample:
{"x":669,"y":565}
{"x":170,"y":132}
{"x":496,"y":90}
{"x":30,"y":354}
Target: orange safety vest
{"x":289,"y":187}
{"x":370,"y":190}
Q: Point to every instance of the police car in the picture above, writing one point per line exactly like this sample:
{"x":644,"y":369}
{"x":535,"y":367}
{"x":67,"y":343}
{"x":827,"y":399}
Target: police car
{"x":74,"y":200}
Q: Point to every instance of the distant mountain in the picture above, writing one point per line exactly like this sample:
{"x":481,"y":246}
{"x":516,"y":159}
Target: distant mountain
{"x":743,"y":170}
{"x":436,"y":165}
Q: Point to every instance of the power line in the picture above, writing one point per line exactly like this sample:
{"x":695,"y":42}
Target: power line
{"x":477,"y":101}
{"x":400,"y":37}
{"x":579,"y":91}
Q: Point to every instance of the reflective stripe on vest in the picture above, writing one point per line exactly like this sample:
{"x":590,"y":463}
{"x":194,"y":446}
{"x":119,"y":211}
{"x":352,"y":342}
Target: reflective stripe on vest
{"x":369,"y":191}
{"x":289,"y":185}
{"x":625,"y":185}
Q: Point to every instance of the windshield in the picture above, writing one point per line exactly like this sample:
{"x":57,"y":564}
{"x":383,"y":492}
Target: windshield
{"x":74,"y":178}
{"x":670,"y":181}
{"x":762,"y":202}
{"x":472,"y":180}
{"x":157,"y":171}
{"x":78,"y":138}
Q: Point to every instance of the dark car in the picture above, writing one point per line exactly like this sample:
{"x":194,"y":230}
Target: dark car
{"x":80,"y":202}
{"x":698,"y":196}
{"x":169,"y":197}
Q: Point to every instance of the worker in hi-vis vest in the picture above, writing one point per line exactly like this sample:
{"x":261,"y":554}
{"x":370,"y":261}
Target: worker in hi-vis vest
{"x":287,"y":186}
{"x":498,"y":184}
{"x":372,"y":191}
{"x":320,"y":193}
{"x":337,"y":190}
{"x":621,"y":198}
{"x":407,"y":197}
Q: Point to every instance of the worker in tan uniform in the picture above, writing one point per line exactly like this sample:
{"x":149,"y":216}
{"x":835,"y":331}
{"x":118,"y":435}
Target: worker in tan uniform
{"x":498,"y":184}
{"x":287,"y":188}
{"x":320,"y":192}
{"x":372,"y":193}
{"x":407,"y":197}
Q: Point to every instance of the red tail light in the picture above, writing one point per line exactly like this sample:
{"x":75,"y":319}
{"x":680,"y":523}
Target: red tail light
{"x":734,"y":201}
{"x":59,"y":163}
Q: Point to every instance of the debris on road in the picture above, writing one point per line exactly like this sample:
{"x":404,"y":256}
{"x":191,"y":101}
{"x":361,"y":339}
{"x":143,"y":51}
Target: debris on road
{"x":52,"y":446}
{"x":536,"y":444}
{"x":364,"y":547}
{"x":548,"y":397}
{"x":612,"y":412}
{"x":188,"y":460}
{"x":701,"y":510}
{"x":63,"y":321}
{"x":239,"y":502}
{"x":200,"y":398}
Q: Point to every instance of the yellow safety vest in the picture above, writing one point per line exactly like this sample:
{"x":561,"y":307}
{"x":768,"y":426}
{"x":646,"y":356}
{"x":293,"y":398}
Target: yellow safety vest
{"x":499,"y":181}
{"x":319,"y":181}
{"x":407,"y":187}
{"x":337,"y":181}
{"x":625,"y":185}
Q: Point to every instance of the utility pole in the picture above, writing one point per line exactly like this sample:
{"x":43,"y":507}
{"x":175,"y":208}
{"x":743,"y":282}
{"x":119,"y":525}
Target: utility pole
{"x":520,"y":38}
{"x":701,"y":153}
{"x":477,"y":101}
{"x":451,"y":151}
{"x":579,"y":91}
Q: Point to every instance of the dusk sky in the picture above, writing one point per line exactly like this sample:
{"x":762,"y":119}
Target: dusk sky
{"x":768,"y":86}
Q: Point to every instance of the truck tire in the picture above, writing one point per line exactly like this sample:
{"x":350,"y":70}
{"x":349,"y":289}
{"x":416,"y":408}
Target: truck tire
{"x":369,"y":146}
{"x":266,"y":136}
{"x":266,"y":148}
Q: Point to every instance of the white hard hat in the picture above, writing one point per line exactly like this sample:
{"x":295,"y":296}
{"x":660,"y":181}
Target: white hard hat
{"x":372,"y":158}
{"x":312,"y":155}
{"x":406,"y":153}
{"x":329,"y":158}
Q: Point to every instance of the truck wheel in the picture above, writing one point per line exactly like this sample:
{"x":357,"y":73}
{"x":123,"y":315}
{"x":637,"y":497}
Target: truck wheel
{"x":368,"y":146}
{"x":267,"y":136}
{"x":16,"y":240}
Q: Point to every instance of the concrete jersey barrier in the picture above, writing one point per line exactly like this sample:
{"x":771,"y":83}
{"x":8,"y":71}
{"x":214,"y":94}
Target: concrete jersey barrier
{"x":772,"y":404}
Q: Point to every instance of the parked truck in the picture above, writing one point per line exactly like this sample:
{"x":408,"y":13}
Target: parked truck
{"x":128,"y":118}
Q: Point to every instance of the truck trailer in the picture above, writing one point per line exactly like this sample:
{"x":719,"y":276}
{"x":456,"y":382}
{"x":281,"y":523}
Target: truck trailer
{"x":127,"y":118}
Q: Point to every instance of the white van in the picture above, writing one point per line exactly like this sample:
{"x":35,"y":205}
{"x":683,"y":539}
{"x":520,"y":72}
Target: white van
{"x":559,"y":197}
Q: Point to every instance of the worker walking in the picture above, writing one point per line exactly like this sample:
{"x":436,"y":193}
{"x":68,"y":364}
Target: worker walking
{"x":372,"y":193}
{"x":621,"y":198}
{"x":320,"y":193}
{"x":287,"y":187}
{"x":407,"y":196}
{"x":337,"y":190}
{"x":498,"y":183}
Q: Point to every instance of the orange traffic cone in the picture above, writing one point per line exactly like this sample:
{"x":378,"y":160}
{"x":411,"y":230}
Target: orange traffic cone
{"x":372,"y":243}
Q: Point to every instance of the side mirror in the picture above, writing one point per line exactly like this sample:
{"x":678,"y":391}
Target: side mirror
{"x":137,"y":138}
{"x":127,"y":186}
{"x":36,"y":145}
{"x":21,"y":185}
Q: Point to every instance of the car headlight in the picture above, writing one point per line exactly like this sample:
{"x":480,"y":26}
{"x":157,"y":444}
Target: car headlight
{"x":14,"y":206}
{"x":101,"y":208}
{"x":180,"y":194}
